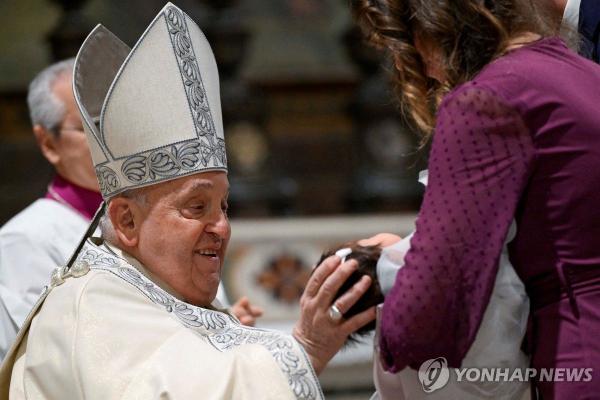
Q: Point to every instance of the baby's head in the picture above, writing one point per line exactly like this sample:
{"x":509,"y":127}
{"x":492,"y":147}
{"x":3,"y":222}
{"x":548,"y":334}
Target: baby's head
{"x":367,"y":258}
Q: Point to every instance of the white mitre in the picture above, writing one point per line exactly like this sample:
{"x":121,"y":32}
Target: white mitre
{"x":152,"y":113}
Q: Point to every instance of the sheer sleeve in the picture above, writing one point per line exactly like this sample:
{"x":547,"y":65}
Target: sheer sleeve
{"x":480,"y":161}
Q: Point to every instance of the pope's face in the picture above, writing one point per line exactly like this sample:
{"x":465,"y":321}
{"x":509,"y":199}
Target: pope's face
{"x":184,"y":232}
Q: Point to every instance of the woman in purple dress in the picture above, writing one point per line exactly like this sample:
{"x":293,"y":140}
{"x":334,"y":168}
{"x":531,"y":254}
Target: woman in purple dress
{"x":515,"y":119}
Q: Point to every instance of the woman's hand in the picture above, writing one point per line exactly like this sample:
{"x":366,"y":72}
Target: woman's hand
{"x":319,"y":334}
{"x":381,"y":240}
{"x":246,"y":312}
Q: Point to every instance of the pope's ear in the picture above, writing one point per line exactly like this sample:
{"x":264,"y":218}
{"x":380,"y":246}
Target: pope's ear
{"x":47,"y":141}
{"x":122,"y":213}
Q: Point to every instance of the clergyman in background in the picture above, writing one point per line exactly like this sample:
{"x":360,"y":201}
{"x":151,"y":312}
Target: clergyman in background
{"x":44,"y":234}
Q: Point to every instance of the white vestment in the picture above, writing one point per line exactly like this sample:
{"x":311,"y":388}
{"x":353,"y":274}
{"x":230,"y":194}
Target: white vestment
{"x":32,"y":244}
{"x":119,"y":332}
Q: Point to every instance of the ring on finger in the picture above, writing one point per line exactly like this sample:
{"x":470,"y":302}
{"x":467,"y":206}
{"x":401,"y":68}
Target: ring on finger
{"x":335,"y":314}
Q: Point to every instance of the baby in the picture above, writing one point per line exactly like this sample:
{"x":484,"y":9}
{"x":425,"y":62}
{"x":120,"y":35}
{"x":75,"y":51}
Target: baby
{"x":367,"y":258}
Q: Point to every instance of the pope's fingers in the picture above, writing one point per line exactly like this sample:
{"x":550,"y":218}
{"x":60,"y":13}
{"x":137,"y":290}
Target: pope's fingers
{"x":247,"y":320}
{"x":359,"y":320}
{"x":256,"y":311}
{"x":334,"y":282}
{"x":352,"y":295}
{"x":320,"y":274}
{"x":243,"y":302}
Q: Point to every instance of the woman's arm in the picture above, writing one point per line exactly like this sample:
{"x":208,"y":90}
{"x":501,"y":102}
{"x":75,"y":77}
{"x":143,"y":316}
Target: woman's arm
{"x":479,"y":164}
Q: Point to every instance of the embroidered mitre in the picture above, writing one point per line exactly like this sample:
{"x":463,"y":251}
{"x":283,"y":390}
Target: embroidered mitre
{"x":151,"y":113}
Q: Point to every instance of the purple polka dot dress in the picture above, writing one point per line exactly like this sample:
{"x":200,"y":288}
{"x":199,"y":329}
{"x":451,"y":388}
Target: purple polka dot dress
{"x":522,"y":141}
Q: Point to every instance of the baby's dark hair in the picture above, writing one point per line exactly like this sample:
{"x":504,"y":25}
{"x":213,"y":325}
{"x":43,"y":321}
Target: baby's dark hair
{"x":367,"y":258}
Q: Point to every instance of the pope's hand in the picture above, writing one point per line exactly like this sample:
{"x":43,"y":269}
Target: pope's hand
{"x":382,"y":240}
{"x":319,"y":334}
{"x":246,"y":312}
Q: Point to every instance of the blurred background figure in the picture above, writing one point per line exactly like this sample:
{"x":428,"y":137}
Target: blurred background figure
{"x":44,"y":235}
{"x":582,"y":16}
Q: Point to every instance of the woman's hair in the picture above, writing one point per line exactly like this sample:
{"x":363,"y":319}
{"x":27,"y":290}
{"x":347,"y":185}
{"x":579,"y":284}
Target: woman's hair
{"x":467,"y":33}
{"x":367,"y":258}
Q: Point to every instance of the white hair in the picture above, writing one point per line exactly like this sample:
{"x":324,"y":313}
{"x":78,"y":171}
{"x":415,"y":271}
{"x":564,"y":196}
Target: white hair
{"x":107,"y":229}
{"x":45,"y":108}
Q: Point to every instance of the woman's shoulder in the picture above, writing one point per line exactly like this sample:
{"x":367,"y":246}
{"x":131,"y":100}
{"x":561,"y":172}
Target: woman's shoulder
{"x":529,"y":60}
{"x":536,"y":72}
{"x":539,"y":68}
{"x":474,"y":98}
{"x":476,"y":106}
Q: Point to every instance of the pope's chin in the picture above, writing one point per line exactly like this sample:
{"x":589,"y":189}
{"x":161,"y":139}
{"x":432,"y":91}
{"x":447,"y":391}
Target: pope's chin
{"x":206,"y":276}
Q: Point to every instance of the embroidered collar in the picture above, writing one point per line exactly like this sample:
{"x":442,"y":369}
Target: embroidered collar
{"x":82,"y":200}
